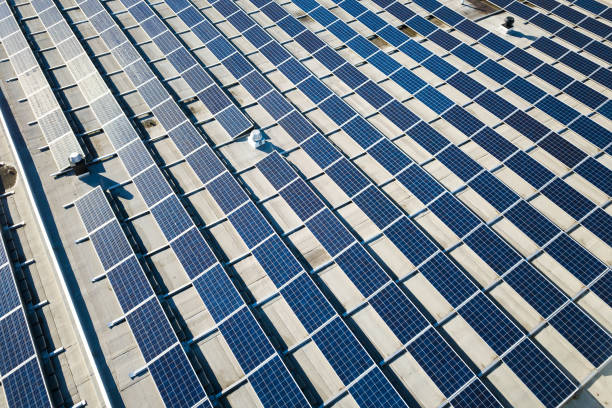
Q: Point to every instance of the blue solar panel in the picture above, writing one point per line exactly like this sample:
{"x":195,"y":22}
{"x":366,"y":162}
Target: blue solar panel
{"x":494,"y":42}
{"x":472,"y":29}
{"x":494,"y":143}
{"x":399,"y":115}
{"x":435,"y":100}
{"x":373,"y":94}
{"x":443,"y":39}
{"x":454,"y":214}
{"x":389,"y":156}
{"x":592,"y":131}
{"x":490,"y":323}
{"x":250,"y":224}
{"x":542,"y":295}
{"x":495,"y":252}
{"x":25,"y":387}
{"x":459,"y":163}
{"x":297,"y":127}
{"x":314,"y":89}
{"x":452,"y":284}
{"x":129,"y":283}
{"x":466,"y":85}
{"x":462,"y":120}
{"x":176,"y":381}
{"x":440,"y":362}
{"x":420,"y":183}
{"x":542,"y":377}
{"x":410,"y":241}
{"x":529,"y":169}
{"x":348,"y":178}
{"x":110,"y":244}
{"x":275,"y":387}
{"x":568,"y":199}
{"x":350,"y":75}
{"x":362,"y":47}
{"x":308,"y":303}
{"x":439,"y":67}
{"x":214,"y":99}
{"x":575,"y":259}
{"x":15,"y":341}
{"x":218,"y":293}
{"x":402,"y":317}
{"x":330,"y":232}
{"x":193,"y":253}
{"x":301,"y":199}
{"x":495,"y":104}
{"x":427,"y":137}
{"x":276,"y":170}
{"x":342,"y":350}
{"x":171,"y":217}
{"x":205,"y":164}
{"x":196,"y":78}
{"x":245,"y":338}
{"x":562,"y":149}
{"x":151,"y":329}
{"x":255,"y":84}
{"x":275,"y":105}
{"x":227,"y":193}
{"x":600,"y":223}
{"x":10,"y":297}
{"x":94,"y":209}
{"x":362,"y":270}
{"x":276,"y":259}
{"x":494,"y":191}
{"x":532,"y":223}
{"x":603,"y":288}
{"x":337,"y":110}
{"x":496,"y":71}
{"x":475,"y":394}
{"x":376,"y":206}
{"x":329,"y":58}
{"x":374,"y":390}
{"x":152,"y":185}
{"x":597,"y":174}
{"x":187,"y":139}
{"x":362,"y":132}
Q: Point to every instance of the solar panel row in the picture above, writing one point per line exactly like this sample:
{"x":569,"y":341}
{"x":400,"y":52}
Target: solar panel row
{"x":47,"y":111}
{"x":20,"y":370}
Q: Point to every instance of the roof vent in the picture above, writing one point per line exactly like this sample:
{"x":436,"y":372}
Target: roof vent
{"x":77,"y":163}
{"x":256,"y":138}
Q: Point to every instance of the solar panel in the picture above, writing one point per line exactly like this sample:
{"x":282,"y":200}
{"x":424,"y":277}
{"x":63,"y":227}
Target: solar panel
{"x":347,"y":177}
{"x":307,"y":302}
{"x":542,"y":295}
{"x":274,"y":386}
{"x":176,"y":381}
{"x":373,"y":390}
{"x":246,"y":340}
{"x":427,"y":137}
{"x":475,"y":394}
{"x":110,"y":244}
{"x":171,"y":217}
{"x":538,"y":373}
{"x":389,"y":156}
{"x":454,"y":214}
{"x":459,"y":163}
{"x":193,"y":253}
{"x":362,"y":270}
{"x":301,"y":199}
{"x":342,"y":350}
{"x":94,"y":209}
{"x":376,"y":207}
{"x":15,"y":341}
{"x":218,"y":293}
{"x":151,"y":329}
{"x":152,"y":186}
{"x":227,"y":193}
{"x":276,"y":259}
{"x":448,"y":280}
{"x":440,"y":362}
{"x":205,"y":164}
{"x":494,"y":191}
{"x":410,"y":241}
{"x":532,"y":223}
{"x":129,"y":283}
{"x":322,"y":225}
{"x":25,"y":387}
{"x":10,"y":297}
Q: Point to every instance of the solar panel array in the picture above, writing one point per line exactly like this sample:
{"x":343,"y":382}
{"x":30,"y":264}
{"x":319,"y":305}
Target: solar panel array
{"x":21,"y":374}
{"x":419,"y":333}
{"x":47,"y":111}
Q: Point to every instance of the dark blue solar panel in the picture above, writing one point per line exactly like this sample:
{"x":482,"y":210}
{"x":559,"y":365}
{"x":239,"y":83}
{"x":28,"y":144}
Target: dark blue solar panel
{"x":521,"y":10}
{"x":570,"y":200}
{"x":276,"y":170}
{"x":596,"y":26}
{"x":549,"y":47}
{"x":597,"y":174}
{"x":434,"y":99}
{"x":495,"y":104}
{"x":320,"y":150}
{"x":337,"y":110}
{"x":523,"y":59}
{"x":171,"y":217}
{"x":495,"y":144}
{"x":538,"y":373}
{"x":557,"y":110}
{"x":329,"y":58}
{"x":527,"y":126}
{"x":297,"y":127}
{"x":110,"y":244}
{"x":415,"y":51}
{"x":587,"y":95}
{"x":580,"y":63}
{"x":374,"y":390}
{"x":275,"y":387}
{"x":574,"y":37}
{"x":542,"y":295}
{"x":350,"y":75}
{"x":214,"y":99}
{"x":562,"y":149}
{"x":600,"y":223}
{"x":309,"y":41}
{"x":496,"y":43}
{"x":402,"y":317}
{"x":129,"y":283}
{"x":362,"y":47}
{"x":193,"y":253}
{"x":452,"y":284}
{"x":495,"y":252}
{"x":393,"y":36}
{"x":348,"y":178}
{"x":218,"y":293}
{"x":420,"y":183}
{"x":399,"y":115}
{"x":237,"y":65}
{"x":257,"y":36}
{"x":496,"y":71}
{"x":440,"y":362}
{"x":301,"y":199}
{"x":384,"y":62}
{"x":583,"y":333}
{"x":250,"y":224}
{"x":246,"y":339}
{"x":494,"y":191}
{"x":197,"y":78}
{"x":377,"y":207}
{"x":592,"y":131}
{"x":373,"y":94}
{"x":314,"y":89}
{"x":255,"y":84}
{"x":330,"y":232}
{"x":342,"y":350}
{"x":443,"y":39}
{"x":421,"y":25}
{"x":427,"y":137}
{"x":472,"y":29}
{"x":454,"y":214}
{"x":276,"y":259}
{"x":276,"y":105}
{"x":466,"y":85}
{"x":341,"y":30}
{"x":529,"y":169}
{"x":462,"y":120}
{"x":603,"y":288}
{"x":175,"y":379}
{"x":475,"y":394}
{"x":308,"y":303}
{"x":532,"y":223}
{"x":459,"y":163}
{"x":490,"y":323}
{"x":15,"y":341}
{"x":410,"y":241}
{"x":362,"y":270}
{"x":25,"y":387}
{"x":575,"y":259}
{"x":152,"y":185}
{"x":389,"y":156}
{"x":439,"y":67}
{"x":362,"y":132}
{"x":547,"y":23}
{"x":151,"y":329}
{"x":408,"y":80}
{"x":205,"y":164}
{"x":227,"y":193}
{"x":10,"y":297}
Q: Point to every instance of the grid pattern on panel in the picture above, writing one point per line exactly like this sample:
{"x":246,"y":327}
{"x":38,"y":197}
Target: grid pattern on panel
{"x":10,"y":297}
{"x":15,"y":342}
{"x":147,"y":324}
{"x":322,"y":226}
{"x":307,"y":302}
{"x":129,"y":283}
{"x":373,"y":390}
{"x":277,"y":260}
{"x":110,"y":244}
{"x":362,"y":269}
{"x":275,"y":388}
{"x":25,"y":387}
{"x":218,"y":293}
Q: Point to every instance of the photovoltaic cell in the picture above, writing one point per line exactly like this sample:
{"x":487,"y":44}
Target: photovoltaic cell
{"x":250,"y":224}
{"x":110,"y":244}
{"x":275,"y":387}
{"x":454,"y":214}
{"x":330,"y":232}
{"x":307,"y":302}
{"x":129,"y":283}
{"x":227,"y":193}
{"x":151,"y":329}
{"x":374,"y":390}
{"x":410,"y":241}
{"x":448,"y":280}
{"x":25,"y":387}
{"x":15,"y":341}
{"x":193,"y":253}
{"x":362,"y":270}
{"x":218,"y":293}
{"x":276,"y":259}
{"x":171,"y":217}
